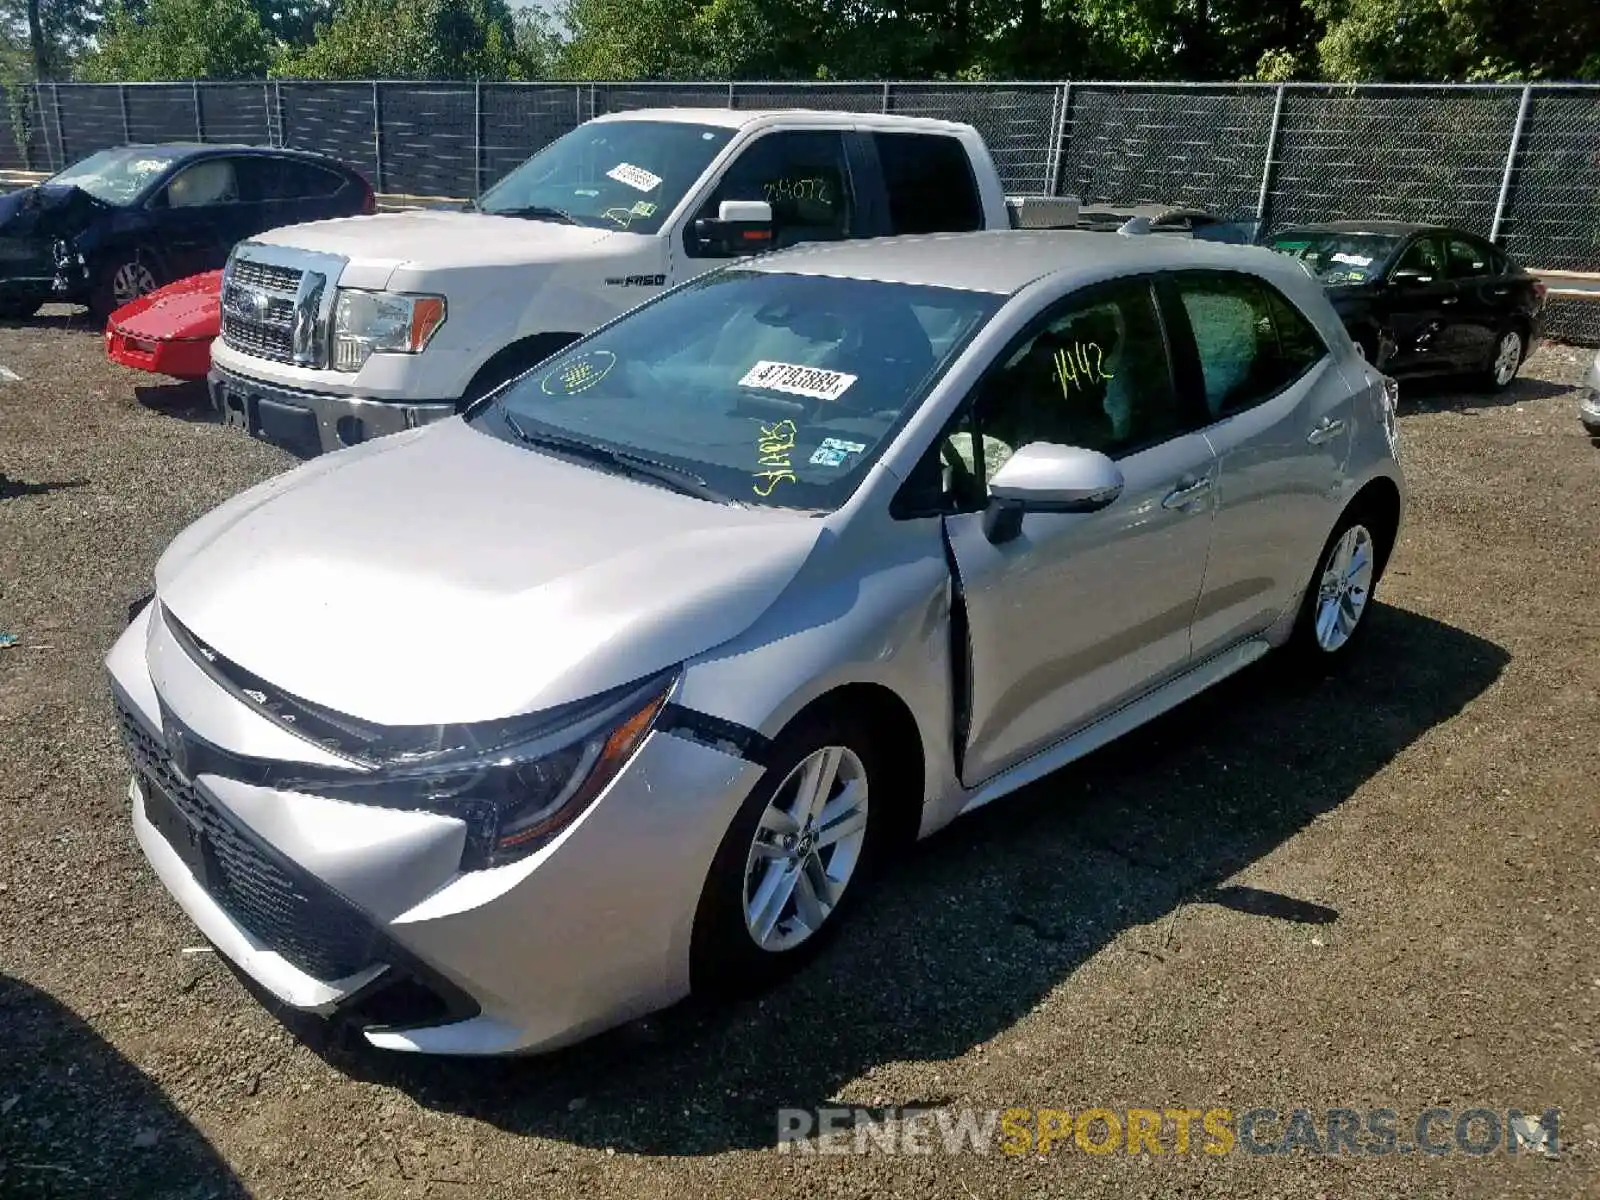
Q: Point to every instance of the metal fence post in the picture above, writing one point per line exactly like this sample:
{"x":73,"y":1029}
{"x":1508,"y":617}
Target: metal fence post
{"x":61,"y":138}
{"x":477,"y":138}
{"x":1511,"y":163}
{"x":731,"y":104}
{"x":593,"y":111}
{"x":577,"y":103}
{"x":377,"y":140}
{"x":277,"y":105}
{"x":1264,"y":198}
{"x":1059,"y":104}
{"x":127,"y":124}
{"x":266,"y":108}
{"x":199,"y":121}
{"x":888,"y":107}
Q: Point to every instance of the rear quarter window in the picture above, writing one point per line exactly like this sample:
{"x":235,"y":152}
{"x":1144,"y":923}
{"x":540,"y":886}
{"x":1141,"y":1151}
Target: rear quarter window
{"x":929,"y":180}
{"x":307,"y":180}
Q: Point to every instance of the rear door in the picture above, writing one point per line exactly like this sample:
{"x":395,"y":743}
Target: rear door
{"x":927,"y":181}
{"x":1079,"y":613}
{"x":1483,"y":298}
{"x":1278,"y":421}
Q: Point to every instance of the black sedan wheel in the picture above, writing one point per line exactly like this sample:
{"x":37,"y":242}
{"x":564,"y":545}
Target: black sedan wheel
{"x":122,"y":280}
{"x":1507,"y":361}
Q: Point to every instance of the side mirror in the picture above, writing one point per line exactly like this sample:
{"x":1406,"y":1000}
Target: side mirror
{"x":1041,"y":477}
{"x":1409,"y":277}
{"x":740,"y":227}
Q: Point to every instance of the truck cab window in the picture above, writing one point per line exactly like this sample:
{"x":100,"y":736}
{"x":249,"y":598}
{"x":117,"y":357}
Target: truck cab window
{"x":929,"y":181}
{"x":802,"y":174}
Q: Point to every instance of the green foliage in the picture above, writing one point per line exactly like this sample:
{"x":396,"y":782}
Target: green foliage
{"x":411,"y":39}
{"x":180,"y":39}
{"x":1421,"y":40}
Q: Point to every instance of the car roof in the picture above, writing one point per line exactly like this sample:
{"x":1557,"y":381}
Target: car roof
{"x":740,"y":118}
{"x":1004,"y":262}
{"x":195,"y":149}
{"x":1390,"y":228}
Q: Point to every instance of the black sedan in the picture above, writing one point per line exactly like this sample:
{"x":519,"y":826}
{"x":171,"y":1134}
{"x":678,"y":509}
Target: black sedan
{"x":123,"y":222}
{"x":1424,"y":299}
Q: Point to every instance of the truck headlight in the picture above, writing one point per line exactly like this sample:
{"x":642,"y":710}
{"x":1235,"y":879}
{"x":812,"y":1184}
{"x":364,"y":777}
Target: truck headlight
{"x":365,"y":323}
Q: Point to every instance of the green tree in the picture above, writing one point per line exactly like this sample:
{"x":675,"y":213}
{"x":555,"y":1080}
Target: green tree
{"x":1427,"y":40}
{"x":411,"y":39}
{"x":180,"y":39}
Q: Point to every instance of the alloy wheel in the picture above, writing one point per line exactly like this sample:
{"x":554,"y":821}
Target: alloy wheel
{"x":1507,"y":359}
{"x":130,"y":281}
{"x":1345,"y":588}
{"x":806,"y":848}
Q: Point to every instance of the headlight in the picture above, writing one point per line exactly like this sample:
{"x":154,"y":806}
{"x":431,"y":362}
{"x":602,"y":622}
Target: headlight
{"x":365,"y":323}
{"x":516,"y":797}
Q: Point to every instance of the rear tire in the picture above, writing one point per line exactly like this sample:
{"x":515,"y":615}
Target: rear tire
{"x":794,"y":860}
{"x":1334,"y":613}
{"x":1506,"y":360}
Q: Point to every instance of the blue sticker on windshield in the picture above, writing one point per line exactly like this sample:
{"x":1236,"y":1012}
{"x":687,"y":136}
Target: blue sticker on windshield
{"x":578,"y":374}
{"x":833,"y":452}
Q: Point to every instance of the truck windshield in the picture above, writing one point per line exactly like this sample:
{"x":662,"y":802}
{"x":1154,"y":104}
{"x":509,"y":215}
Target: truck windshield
{"x":1336,"y":258}
{"x":117,"y":176}
{"x":610,"y":174}
{"x":770,"y":389}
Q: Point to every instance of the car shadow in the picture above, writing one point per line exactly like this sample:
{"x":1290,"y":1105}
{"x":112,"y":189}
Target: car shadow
{"x":10,"y":489}
{"x":1435,"y":392}
{"x":186,"y":399}
{"x":970,"y":930}
{"x":77,"y":1119}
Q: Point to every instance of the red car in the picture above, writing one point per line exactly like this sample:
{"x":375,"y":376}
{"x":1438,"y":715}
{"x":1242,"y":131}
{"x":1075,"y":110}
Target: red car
{"x":169,"y":331}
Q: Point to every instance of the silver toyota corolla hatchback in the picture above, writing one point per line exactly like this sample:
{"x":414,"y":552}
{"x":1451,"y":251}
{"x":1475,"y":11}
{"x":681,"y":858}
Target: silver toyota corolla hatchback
{"x":496,"y":733}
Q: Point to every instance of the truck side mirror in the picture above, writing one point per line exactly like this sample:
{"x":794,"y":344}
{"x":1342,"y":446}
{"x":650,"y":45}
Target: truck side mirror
{"x":740,"y":227}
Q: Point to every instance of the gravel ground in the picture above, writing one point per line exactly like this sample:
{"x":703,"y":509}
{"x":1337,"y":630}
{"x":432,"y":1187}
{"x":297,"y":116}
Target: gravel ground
{"x":1377,"y":892}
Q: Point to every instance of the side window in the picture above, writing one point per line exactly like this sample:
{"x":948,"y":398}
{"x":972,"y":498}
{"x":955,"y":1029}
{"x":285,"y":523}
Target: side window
{"x":1251,"y":342}
{"x":303,"y":180}
{"x":1468,"y":260}
{"x":929,"y":181}
{"x":1096,"y":376}
{"x":802,"y":174}
{"x":1426,"y":257}
{"x":210,"y":181}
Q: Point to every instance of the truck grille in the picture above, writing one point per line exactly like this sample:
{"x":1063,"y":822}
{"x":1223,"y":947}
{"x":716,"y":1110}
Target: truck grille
{"x":283,"y":906}
{"x":258,"y":308}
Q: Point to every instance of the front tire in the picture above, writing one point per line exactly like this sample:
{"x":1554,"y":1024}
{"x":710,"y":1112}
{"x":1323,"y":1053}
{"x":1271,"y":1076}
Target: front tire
{"x":1509,"y":349}
{"x":793,"y":860}
{"x":1334,"y":613}
{"x":122,"y":280}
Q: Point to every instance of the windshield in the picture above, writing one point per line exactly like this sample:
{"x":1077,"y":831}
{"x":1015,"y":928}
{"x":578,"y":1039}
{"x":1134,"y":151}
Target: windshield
{"x":770,"y":389}
{"x":1336,"y":258}
{"x":610,"y":174}
{"x":117,"y":176}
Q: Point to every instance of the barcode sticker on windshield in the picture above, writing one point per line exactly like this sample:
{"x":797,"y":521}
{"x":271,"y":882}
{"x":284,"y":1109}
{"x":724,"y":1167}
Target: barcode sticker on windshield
{"x":635,"y":177}
{"x":811,"y":382}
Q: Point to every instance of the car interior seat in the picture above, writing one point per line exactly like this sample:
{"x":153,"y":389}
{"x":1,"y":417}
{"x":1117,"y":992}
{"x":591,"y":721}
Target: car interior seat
{"x":210,"y":182}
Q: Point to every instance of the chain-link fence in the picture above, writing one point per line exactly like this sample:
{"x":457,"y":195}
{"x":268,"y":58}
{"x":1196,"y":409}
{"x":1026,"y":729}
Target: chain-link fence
{"x":1520,"y":164}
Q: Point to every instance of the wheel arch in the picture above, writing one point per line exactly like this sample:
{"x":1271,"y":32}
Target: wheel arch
{"x":888,"y":720}
{"x":1378,"y":501}
{"x":511,"y":360}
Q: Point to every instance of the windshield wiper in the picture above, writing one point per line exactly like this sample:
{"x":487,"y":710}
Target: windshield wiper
{"x":676,"y":478}
{"x":535,"y":212}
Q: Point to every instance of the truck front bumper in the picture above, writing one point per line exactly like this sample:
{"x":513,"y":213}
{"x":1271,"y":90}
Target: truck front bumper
{"x":311,"y":423}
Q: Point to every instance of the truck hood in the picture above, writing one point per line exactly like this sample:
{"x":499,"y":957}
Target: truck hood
{"x":427,"y":239}
{"x":443,"y":576}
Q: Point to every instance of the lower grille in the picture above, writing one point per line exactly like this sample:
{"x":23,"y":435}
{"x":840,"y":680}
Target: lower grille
{"x":281,"y":905}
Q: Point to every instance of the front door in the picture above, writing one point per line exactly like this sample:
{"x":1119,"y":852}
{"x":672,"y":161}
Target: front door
{"x":1081,"y":613}
{"x":1419,"y":301}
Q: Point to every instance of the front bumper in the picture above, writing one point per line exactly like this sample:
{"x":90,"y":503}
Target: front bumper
{"x":312,"y":423}
{"x":181,"y":358}
{"x":361,"y":913}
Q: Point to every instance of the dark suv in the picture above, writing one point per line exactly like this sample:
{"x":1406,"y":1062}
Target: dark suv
{"x":1424,"y":299}
{"x":123,"y":222}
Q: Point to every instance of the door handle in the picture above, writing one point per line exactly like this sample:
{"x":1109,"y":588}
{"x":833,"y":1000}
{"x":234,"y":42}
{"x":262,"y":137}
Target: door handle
{"x":1327,"y":429}
{"x":1186,"y":495}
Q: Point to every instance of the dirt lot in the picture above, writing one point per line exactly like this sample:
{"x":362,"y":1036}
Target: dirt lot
{"x":1383,"y":891}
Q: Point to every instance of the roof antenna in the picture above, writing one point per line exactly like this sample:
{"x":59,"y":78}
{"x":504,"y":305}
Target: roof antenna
{"x":1134,"y":227}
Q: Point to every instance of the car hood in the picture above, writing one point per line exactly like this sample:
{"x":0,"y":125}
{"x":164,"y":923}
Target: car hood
{"x":46,"y":210}
{"x":443,"y":575}
{"x":187,"y":310}
{"x":425,"y":239}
